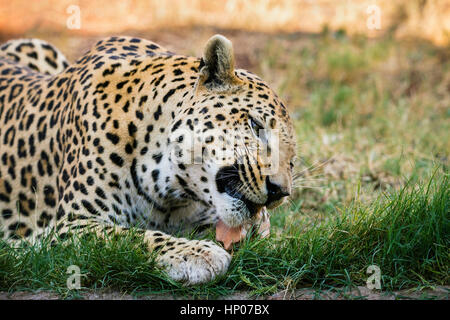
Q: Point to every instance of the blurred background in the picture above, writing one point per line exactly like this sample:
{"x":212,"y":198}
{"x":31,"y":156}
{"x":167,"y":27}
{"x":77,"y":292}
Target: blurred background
{"x":367,"y":82}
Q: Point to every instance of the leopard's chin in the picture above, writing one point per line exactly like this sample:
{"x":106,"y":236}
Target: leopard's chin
{"x":275,"y":204}
{"x":240,"y":212}
{"x":251,"y":207}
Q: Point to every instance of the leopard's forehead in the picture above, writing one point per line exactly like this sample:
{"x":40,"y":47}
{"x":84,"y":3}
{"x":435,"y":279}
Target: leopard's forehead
{"x":253,"y":98}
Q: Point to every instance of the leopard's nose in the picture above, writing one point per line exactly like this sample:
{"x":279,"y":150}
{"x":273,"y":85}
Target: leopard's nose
{"x":274,"y":192}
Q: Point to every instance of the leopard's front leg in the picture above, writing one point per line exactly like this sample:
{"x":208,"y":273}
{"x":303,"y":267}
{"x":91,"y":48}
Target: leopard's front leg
{"x":188,"y":261}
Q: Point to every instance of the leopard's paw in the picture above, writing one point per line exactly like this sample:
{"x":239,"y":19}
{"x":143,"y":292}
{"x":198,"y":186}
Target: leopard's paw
{"x":195,"y":262}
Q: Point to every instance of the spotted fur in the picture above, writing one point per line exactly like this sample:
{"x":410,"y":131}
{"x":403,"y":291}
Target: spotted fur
{"x":36,"y":54}
{"x":95,"y":146}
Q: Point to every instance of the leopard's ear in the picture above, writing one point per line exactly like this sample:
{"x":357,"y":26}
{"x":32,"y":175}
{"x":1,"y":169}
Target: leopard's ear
{"x":217,"y":71}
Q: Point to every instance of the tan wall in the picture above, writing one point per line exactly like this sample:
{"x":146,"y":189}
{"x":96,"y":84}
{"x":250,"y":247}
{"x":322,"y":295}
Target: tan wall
{"x":428,"y":19}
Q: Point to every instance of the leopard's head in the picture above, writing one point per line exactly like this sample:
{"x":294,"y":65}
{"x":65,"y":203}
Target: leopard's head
{"x":235,"y":147}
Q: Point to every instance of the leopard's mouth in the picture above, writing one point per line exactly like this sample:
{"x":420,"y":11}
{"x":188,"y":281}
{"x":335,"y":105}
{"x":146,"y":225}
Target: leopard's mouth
{"x":252,"y":207}
{"x":229,"y":182}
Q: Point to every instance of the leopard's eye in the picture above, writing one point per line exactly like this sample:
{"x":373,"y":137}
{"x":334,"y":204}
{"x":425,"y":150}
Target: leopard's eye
{"x":259,"y":131}
{"x":257,"y":128}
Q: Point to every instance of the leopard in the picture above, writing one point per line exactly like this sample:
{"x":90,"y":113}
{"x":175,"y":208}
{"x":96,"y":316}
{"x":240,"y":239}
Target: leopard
{"x":132,"y":137}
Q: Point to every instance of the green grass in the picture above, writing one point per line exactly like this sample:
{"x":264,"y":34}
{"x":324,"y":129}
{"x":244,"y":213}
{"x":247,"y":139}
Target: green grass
{"x":366,"y":111}
{"x":405,"y":233}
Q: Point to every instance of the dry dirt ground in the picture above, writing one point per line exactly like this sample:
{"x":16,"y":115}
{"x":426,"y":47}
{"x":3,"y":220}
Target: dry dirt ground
{"x":441,"y":293}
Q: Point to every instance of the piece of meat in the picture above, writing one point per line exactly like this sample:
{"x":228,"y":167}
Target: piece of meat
{"x":228,"y":235}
